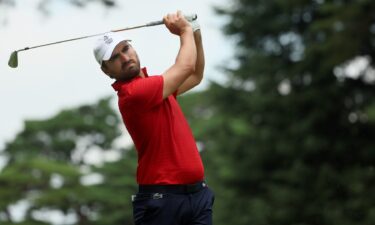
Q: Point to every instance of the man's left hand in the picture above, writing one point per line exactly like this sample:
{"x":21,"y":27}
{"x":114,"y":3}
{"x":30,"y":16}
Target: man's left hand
{"x":194,"y":23}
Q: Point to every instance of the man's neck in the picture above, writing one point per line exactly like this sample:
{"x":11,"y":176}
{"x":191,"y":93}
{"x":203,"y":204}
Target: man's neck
{"x":141,"y":74}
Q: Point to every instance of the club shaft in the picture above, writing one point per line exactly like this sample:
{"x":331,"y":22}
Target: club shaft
{"x":93,"y":35}
{"x":140,"y":26}
{"x":58,"y":42}
{"x":155,"y":23}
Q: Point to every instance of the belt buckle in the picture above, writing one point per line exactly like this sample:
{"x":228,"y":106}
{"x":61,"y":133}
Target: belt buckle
{"x":157,"y":196}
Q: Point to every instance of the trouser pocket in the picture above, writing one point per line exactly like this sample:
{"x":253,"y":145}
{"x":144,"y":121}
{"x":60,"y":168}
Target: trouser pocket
{"x":147,"y":207}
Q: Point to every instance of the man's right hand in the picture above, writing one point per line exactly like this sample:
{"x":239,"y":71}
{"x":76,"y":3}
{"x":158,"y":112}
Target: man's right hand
{"x":176,"y":23}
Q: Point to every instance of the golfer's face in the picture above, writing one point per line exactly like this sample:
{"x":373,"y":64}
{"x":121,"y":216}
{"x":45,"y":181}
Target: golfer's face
{"x":124,"y":63}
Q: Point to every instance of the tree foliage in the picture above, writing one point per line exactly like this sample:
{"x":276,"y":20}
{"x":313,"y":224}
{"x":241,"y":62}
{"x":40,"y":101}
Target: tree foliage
{"x":293,"y":128}
{"x":46,"y":166}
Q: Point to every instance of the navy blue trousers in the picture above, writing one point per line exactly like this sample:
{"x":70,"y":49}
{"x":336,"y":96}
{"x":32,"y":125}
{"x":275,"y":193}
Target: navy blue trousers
{"x":174,"y":209}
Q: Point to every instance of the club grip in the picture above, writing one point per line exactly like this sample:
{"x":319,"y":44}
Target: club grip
{"x":155,"y":23}
{"x":189,"y":18}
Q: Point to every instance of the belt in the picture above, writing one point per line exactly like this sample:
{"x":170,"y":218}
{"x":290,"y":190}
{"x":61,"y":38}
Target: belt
{"x":174,"y":189}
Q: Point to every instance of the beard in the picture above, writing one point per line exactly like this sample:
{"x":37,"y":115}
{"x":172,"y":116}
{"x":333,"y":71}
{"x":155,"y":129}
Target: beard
{"x":132,"y":72}
{"x":129,"y":72}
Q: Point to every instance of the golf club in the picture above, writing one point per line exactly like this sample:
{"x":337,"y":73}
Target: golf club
{"x":13,"y":59}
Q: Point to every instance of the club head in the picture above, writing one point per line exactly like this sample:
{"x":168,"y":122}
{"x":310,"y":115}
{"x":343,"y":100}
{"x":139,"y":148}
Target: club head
{"x":13,"y":60}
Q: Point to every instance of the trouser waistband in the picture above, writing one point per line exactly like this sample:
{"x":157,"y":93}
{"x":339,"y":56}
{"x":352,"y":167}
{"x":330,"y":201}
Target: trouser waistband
{"x":175,"y":189}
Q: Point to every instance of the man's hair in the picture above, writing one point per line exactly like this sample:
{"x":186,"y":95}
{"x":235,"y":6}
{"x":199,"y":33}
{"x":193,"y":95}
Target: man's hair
{"x":104,"y":65}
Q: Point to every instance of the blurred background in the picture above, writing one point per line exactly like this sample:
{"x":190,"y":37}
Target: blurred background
{"x":284,"y":119}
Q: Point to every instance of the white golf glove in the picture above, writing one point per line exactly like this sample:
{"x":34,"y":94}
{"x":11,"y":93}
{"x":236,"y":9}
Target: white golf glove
{"x":194,"y":23}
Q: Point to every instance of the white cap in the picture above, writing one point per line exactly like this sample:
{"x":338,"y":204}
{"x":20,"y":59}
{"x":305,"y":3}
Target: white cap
{"x":105,"y":45}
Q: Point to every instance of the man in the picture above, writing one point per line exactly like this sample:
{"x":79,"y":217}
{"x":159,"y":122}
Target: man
{"x":170,"y":171}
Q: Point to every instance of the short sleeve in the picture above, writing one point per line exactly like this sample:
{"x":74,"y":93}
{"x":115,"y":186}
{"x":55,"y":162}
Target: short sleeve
{"x":145,"y":93}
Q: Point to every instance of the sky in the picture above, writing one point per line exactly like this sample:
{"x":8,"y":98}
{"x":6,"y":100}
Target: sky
{"x":66,"y":75}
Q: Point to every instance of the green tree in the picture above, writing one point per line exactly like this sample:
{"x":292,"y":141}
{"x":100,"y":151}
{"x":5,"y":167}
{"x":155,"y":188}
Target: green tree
{"x":46,"y":166}
{"x":291,"y":135}
{"x":113,"y":195}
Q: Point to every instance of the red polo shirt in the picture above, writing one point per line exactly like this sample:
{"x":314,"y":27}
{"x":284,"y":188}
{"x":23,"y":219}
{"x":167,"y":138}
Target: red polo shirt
{"x":167,"y":152}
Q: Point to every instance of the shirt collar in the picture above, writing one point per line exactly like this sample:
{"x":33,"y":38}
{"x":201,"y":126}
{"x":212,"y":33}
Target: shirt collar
{"x":117,"y":84}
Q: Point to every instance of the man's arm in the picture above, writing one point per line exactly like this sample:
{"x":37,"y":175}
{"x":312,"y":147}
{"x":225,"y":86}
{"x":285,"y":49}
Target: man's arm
{"x":187,"y":55}
{"x":195,"y":78}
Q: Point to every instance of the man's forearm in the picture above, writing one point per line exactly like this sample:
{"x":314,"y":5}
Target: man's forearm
{"x":199,"y":65}
{"x":185,"y":63}
{"x":186,"y":56}
{"x":197,"y":75}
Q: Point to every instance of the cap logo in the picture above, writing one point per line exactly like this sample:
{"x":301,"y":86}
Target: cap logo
{"x":107,"y":40}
